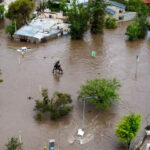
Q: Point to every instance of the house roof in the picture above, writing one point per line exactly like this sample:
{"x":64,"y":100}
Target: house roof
{"x":147,"y":1}
{"x":110,"y":11}
{"x":115,"y":4}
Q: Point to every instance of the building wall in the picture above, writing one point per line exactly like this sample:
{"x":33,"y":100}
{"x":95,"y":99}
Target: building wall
{"x":119,"y":12}
{"x":129,"y":16}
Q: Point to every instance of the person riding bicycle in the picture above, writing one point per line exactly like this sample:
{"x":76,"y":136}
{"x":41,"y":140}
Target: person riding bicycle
{"x":57,"y":66}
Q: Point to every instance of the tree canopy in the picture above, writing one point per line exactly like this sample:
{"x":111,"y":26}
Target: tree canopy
{"x":19,"y":11}
{"x":102,"y":92}
{"x":78,"y":17}
{"x":98,"y":16}
{"x":138,"y":6}
{"x":128,"y":127}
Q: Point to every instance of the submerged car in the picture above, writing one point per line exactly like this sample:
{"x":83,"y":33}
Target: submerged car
{"x":23,"y":49}
{"x":51,"y":144}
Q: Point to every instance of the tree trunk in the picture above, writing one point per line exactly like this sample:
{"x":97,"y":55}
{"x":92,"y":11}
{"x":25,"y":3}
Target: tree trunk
{"x":129,"y":145}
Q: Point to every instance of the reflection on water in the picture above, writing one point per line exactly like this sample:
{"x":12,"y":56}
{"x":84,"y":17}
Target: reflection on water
{"x":115,"y":57}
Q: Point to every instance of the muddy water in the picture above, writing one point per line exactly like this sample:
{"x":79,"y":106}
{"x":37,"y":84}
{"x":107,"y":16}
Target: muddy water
{"x":23,"y":77}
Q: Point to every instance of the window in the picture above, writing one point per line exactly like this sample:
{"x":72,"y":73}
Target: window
{"x":121,"y":17}
{"x":120,"y":11}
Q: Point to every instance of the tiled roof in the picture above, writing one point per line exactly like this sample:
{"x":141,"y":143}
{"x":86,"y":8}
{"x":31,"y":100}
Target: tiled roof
{"x":110,"y":11}
{"x":115,"y":4}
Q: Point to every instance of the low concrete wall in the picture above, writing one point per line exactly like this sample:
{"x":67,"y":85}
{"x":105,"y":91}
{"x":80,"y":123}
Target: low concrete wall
{"x":128,"y":16}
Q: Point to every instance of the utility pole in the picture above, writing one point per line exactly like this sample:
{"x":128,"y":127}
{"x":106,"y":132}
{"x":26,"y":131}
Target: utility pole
{"x":137,"y":61}
{"x":81,"y":131}
{"x":83,"y":113}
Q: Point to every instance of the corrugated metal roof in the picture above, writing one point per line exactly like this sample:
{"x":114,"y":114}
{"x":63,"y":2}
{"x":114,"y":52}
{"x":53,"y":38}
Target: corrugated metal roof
{"x":110,"y":11}
{"x":115,"y":4}
{"x":28,"y":30}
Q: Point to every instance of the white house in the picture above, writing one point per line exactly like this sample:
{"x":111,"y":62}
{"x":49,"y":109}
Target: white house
{"x":117,"y":11}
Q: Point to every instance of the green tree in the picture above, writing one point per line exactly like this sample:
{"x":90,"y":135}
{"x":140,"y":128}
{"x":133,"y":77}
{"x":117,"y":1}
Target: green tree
{"x":2,"y":9}
{"x":10,"y":29}
{"x":63,"y":6}
{"x":102,"y":92}
{"x":110,"y":23}
{"x":78,"y":17}
{"x":57,"y":106}
{"x":128,"y":127}
{"x":53,"y":5}
{"x":20,"y":11}
{"x":13,"y":144}
{"x":143,"y":26}
{"x":98,"y":16}
{"x":138,"y":6}
{"x":43,"y":5}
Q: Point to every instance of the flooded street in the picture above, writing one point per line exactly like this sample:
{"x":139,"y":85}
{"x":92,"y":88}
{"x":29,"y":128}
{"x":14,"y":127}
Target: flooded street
{"x":23,"y":77}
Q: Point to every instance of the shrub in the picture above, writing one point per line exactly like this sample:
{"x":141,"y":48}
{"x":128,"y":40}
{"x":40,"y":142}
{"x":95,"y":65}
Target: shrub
{"x":62,"y":111}
{"x":10,"y":29}
{"x":137,"y":29}
{"x":147,"y":127}
{"x":57,"y":106}
{"x":38,"y":116}
{"x":2,"y":9}
{"x":1,"y":80}
{"x":13,"y":144}
{"x":133,"y":31}
{"x":110,"y":23}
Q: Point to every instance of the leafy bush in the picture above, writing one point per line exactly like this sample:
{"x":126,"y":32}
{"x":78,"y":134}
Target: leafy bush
{"x":133,"y":31}
{"x":13,"y":144}
{"x":128,"y":127}
{"x":147,"y":127}
{"x":2,"y":9}
{"x":38,"y":116}
{"x":137,"y":29}
{"x":57,"y":106}
{"x":102,"y":92}
{"x":10,"y":29}
{"x":110,"y":23}
{"x":62,"y":111}
{"x":1,"y":80}
{"x":143,"y":26}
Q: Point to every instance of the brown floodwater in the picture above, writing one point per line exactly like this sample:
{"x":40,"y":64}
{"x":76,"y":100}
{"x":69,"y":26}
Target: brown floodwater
{"x":23,"y":77}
